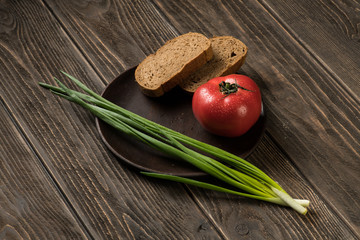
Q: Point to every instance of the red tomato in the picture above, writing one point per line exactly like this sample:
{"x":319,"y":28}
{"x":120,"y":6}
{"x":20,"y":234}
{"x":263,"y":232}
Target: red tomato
{"x":227,"y":106}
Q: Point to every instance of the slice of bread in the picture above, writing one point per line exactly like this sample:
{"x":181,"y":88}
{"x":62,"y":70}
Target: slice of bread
{"x":174,"y":61}
{"x":229,"y":56}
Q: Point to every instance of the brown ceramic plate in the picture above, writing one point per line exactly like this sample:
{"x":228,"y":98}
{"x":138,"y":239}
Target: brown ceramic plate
{"x":172,"y":110}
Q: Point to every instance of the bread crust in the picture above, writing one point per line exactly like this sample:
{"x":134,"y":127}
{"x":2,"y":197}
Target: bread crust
{"x":177,"y":75}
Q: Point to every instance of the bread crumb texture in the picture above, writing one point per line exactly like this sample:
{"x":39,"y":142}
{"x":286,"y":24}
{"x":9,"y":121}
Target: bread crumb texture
{"x":229,"y":55}
{"x":169,"y":60}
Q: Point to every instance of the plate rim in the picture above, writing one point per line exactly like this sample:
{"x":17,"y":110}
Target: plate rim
{"x":194,"y":173}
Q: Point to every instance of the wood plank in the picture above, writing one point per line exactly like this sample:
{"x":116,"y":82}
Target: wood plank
{"x":113,"y":36}
{"x":249,"y":219}
{"x":329,"y":30}
{"x":31,"y":205}
{"x":112,"y":201}
{"x":186,"y":21}
{"x":313,"y":117}
{"x":257,"y":32}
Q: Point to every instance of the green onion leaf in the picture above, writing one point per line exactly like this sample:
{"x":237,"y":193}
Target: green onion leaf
{"x":250,"y":181}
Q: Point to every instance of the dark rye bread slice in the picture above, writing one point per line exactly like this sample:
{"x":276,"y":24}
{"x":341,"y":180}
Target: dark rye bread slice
{"x":174,"y":61}
{"x":229,"y":56}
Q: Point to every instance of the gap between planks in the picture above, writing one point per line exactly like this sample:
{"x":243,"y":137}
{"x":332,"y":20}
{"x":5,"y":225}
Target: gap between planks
{"x":290,"y":32}
{"x":303,"y":46}
{"x":313,"y":187}
{"x":46,"y":171}
{"x":104,"y":82}
{"x":76,"y":45}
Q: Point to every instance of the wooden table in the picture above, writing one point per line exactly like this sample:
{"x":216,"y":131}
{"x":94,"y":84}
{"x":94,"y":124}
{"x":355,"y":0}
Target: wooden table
{"x":59,"y":181}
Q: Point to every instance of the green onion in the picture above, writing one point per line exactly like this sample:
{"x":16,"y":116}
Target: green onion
{"x":244,"y":178}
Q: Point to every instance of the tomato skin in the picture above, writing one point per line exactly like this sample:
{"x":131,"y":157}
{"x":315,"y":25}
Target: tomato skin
{"x":229,"y":115}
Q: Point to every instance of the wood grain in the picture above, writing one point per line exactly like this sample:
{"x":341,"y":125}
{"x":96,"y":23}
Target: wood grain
{"x":31,"y":205}
{"x":250,"y":219}
{"x":312,"y":116}
{"x":116,"y":35}
{"x":112,"y":201}
{"x":272,"y":56}
{"x":312,"y":108}
{"x":331,"y":34}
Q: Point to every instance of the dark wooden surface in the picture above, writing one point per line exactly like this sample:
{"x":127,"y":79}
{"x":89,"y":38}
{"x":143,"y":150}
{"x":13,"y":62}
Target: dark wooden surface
{"x":59,"y":181}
